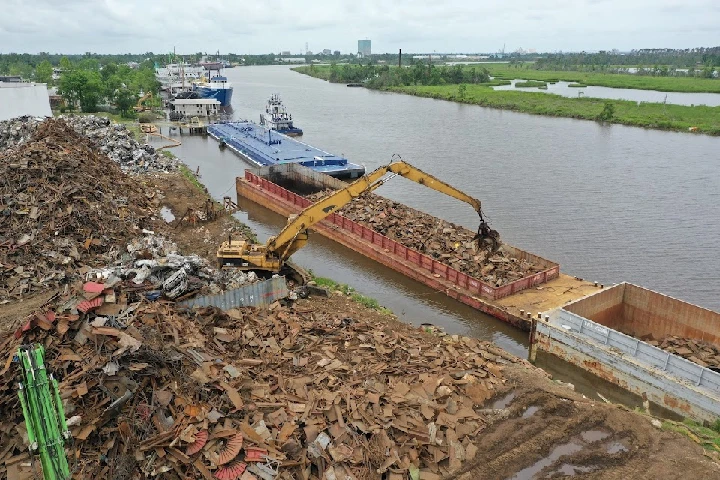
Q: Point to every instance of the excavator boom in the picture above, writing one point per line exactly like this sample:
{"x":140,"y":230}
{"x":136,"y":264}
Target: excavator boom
{"x":279,"y":248}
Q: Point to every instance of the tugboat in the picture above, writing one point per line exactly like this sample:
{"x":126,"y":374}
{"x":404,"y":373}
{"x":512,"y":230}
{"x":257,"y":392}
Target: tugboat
{"x":277,"y":118}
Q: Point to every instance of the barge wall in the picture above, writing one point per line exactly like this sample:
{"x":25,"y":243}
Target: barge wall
{"x":661,"y":377}
{"x":644,"y":313}
{"x":370,"y":243}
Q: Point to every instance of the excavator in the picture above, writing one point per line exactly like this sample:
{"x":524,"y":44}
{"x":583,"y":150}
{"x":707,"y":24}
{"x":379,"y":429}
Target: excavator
{"x":274,"y":255}
{"x":140,"y":107}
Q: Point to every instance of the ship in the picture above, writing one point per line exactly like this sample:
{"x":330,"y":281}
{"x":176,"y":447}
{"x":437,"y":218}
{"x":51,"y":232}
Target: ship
{"x":263,"y":146}
{"x":217,"y":87}
{"x":277,"y":118}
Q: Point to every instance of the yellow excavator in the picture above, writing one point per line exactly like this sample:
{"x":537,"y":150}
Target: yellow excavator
{"x":140,"y":107}
{"x":273,"y":256}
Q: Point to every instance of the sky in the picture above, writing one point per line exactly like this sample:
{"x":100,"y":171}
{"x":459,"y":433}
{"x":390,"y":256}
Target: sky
{"x":255,"y":27}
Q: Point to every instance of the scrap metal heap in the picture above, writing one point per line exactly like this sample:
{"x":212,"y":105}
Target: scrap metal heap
{"x":62,"y":205}
{"x":447,"y":242}
{"x":116,"y":141}
{"x":287,"y":392}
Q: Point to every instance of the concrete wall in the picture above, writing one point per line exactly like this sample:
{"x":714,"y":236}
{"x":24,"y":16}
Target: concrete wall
{"x":644,"y":313}
{"x":18,"y":99}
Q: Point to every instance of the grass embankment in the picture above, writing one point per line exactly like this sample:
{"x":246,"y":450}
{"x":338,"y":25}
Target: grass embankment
{"x":350,"y":292}
{"x":708,"y":438}
{"x":530,"y":83}
{"x":612,"y":80}
{"x":651,"y":115}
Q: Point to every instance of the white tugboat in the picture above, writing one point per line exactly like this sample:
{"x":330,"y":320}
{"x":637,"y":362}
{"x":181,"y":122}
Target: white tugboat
{"x":277,"y":118}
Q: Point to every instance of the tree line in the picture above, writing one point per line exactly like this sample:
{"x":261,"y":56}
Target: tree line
{"x":419,"y":73}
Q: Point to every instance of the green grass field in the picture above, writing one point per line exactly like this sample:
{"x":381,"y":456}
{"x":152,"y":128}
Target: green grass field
{"x":612,"y":80}
{"x":650,"y":115}
{"x":530,"y":83}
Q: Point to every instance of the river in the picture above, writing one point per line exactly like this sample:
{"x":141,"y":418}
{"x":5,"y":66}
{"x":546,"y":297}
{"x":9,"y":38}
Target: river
{"x":608,"y":202}
{"x":635,"y":95}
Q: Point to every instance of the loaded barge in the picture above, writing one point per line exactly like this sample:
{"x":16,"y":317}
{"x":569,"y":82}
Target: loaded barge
{"x":263,"y":147}
{"x":514,"y":302}
{"x":573,"y":319}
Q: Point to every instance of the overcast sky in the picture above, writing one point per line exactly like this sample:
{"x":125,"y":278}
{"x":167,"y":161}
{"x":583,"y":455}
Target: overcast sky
{"x":122,"y":26}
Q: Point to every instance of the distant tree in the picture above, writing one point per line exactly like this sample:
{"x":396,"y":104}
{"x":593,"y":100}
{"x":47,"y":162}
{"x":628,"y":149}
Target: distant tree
{"x":608,"y":112}
{"x":82,"y":86}
{"x":124,"y":100}
{"x":65,"y":64}
{"x":44,"y":72}
{"x":462,"y":90}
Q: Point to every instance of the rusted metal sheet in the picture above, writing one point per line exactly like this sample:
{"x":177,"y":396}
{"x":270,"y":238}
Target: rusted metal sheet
{"x":666,"y":379}
{"x":258,"y":294}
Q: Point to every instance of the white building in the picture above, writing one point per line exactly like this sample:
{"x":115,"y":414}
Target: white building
{"x":196,"y":107}
{"x":18,"y":99}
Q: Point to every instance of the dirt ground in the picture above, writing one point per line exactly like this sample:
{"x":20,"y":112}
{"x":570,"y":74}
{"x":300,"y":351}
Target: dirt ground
{"x":178,"y":194}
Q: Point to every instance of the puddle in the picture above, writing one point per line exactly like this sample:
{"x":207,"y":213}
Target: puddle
{"x":504,"y":402}
{"x":572,"y":470}
{"x":167,"y":214}
{"x":591,"y":436}
{"x":616,"y":447}
{"x":557,"y":452}
{"x":532,"y":410}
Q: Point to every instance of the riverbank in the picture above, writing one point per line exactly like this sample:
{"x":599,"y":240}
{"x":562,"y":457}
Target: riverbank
{"x":699,"y":119}
{"x":611,"y":80}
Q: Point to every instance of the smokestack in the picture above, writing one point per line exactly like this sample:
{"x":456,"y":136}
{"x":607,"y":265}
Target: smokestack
{"x":400,"y":58}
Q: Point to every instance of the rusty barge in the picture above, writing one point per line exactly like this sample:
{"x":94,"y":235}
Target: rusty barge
{"x":514,"y":303}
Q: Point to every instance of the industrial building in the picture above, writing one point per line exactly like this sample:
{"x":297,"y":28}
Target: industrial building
{"x":364,"y":48}
{"x":18,"y":99}
{"x":196,"y":107}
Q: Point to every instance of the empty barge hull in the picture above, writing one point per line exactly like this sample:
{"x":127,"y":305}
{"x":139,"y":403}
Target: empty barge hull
{"x":513,"y":303}
{"x":588,"y":333}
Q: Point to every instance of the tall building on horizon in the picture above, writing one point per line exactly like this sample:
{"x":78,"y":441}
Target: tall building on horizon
{"x":364,"y":49}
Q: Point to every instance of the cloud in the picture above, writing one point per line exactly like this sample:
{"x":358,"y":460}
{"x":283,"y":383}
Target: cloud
{"x":114,"y":26}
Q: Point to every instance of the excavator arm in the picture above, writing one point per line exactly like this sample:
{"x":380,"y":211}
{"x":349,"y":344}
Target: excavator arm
{"x":294,"y":235}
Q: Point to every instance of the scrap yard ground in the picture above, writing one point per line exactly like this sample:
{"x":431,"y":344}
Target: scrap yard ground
{"x":326,"y":386}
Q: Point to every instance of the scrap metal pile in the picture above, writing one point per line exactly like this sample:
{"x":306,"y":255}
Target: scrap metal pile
{"x":63,"y":205}
{"x":703,"y":353}
{"x":447,"y":242}
{"x":68,"y":211}
{"x":114,"y":140}
{"x":287,"y":392}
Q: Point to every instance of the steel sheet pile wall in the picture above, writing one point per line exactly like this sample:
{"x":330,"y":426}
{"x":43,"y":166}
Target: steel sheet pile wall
{"x":666,"y":379}
{"x":641,"y":312}
{"x":392,"y":248}
{"x":258,"y":294}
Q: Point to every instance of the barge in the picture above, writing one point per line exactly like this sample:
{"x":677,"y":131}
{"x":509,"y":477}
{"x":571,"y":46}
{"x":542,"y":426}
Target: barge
{"x":589,"y":333}
{"x":515,"y":302}
{"x":263,"y":147}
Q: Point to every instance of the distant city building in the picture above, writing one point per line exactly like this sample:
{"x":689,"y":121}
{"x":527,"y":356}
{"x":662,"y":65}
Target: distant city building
{"x":308,"y":52}
{"x":336,"y":53}
{"x":285,"y":52}
{"x":364,"y":48}
{"x":10,"y":78}
{"x":326,"y":51}
{"x":291,"y":59}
